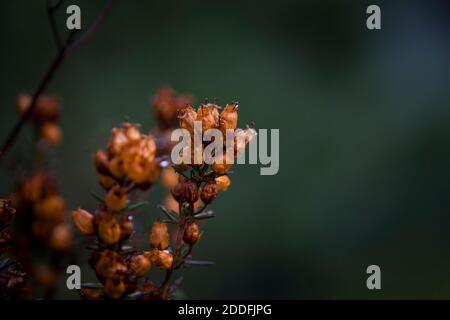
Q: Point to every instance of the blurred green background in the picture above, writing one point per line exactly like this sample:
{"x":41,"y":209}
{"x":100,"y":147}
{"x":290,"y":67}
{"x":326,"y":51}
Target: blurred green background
{"x":364,"y":123}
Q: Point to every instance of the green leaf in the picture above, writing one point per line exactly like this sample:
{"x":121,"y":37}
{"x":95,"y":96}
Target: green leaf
{"x":92,"y":285}
{"x":198,"y":262}
{"x":97,"y":197}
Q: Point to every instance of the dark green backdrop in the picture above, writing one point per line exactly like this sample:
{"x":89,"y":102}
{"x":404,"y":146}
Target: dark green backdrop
{"x":364,"y":122}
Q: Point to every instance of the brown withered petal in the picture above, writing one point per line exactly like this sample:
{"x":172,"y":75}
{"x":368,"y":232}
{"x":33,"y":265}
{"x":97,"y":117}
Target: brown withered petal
{"x":126,"y":227}
{"x":228,"y":118}
{"x":108,"y":229}
{"x":209,"y":192}
{"x":114,"y":288}
{"x":116,"y":198}
{"x":84,"y":221}
{"x":159,"y":236}
{"x":139,"y":265}
{"x":160,"y":258}
{"x":192,"y":233}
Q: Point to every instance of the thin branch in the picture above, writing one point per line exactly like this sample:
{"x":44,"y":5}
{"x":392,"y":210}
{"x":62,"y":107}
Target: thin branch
{"x":51,"y":9}
{"x":65,"y":51}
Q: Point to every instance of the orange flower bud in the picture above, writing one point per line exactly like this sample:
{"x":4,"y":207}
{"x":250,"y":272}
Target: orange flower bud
{"x":107,"y":264}
{"x":209,"y":192}
{"x":116,"y":167}
{"x":116,"y":198}
{"x":191,"y":233}
{"x":51,"y":133}
{"x":222,"y":165}
{"x":126,"y":227}
{"x":84,"y":221}
{"x":114,"y":288}
{"x":139,"y":265}
{"x":186,"y":118}
{"x":23,"y":102}
{"x":159,"y":236}
{"x":228,"y":118}
{"x":160,"y":258}
{"x":223,"y":182}
{"x":169,"y":178}
{"x":101,"y":162}
{"x":32,"y":189}
{"x":209,"y":115}
{"x":185,"y":191}
{"x":52,"y":207}
{"x":106,"y":182}
{"x":61,"y":238}
{"x":109,"y":229}
{"x":117,"y":141}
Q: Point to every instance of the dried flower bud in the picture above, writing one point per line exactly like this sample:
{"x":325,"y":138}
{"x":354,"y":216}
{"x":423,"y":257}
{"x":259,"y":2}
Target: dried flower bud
{"x":228,"y":118}
{"x":223,"y":182}
{"x":52,"y":207}
{"x":61,"y":238}
{"x":106,"y":182}
{"x":48,"y":109}
{"x":222,"y":164}
{"x":139,"y":265}
{"x":101,"y":162}
{"x":191,"y":233}
{"x":106,"y":263}
{"x":159,"y":236}
{"x":117,"y":141}
{"x":165,"y":107}
{"x":186,"y":118}
{"x":116,"y":167}
{"x":84,"y":221}
{"x":32,"y":188}
{"x":209,"y":115}
{"x":160,"y":258}
{"x":169,"y":178}
{"x":23,"y":102}
{"x":6,"y":212}
{"x":114,"y":288}
{"x":109,"y":229}
{"x":242,"y":139}
{"x":126,"y":227}
{"x":91,"y":293}
{"x":116,"y":198}
{"x":185,"y":191}
{"x":209,"y":192}
{"x":51,"y":133}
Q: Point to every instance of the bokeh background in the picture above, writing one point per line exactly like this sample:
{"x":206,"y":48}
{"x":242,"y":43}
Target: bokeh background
{"x":364,"y":119}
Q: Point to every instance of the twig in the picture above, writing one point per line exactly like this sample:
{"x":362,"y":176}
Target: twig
{"x":51,"y":9}
{"x":64,"y":52}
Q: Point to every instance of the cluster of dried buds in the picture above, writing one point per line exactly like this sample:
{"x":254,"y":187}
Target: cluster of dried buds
{"x":129,"y":162}
{"x":45,"y":116}
{"x":12,"y":278}
{"x":42,"y":211}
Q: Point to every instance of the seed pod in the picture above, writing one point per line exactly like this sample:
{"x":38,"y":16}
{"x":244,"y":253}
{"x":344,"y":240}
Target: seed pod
{"x":191,"y":233}
{"x":84,"y":221}
{"x":160,"y":258}
{"x":108,"y":229}
{"x":106,"y":182}
{"x":209,"y":192}
{"x":116,"y":167}
{"x":139,"y":265}
{"x":126,"y":227}
{"x":116,"y":198}
{"x":159,"y":236}
{"x":51,"y":133}
{"x":223,"y":182}
{"x":105,"y":263}
{"x":228,"y":118}
{"x":114,"y":288}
